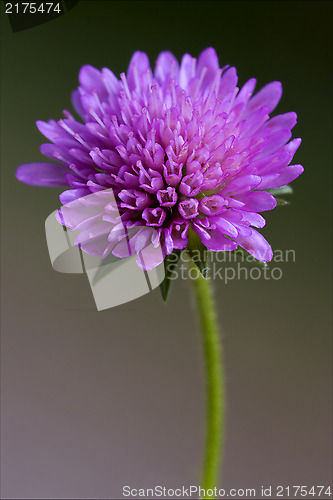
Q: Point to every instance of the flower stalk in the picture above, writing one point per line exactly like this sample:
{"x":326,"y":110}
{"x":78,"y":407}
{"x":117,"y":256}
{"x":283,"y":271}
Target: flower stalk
{"x":214,"y":382}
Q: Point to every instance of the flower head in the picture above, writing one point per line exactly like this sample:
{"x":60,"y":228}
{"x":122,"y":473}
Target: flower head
{"x":182,"y":149}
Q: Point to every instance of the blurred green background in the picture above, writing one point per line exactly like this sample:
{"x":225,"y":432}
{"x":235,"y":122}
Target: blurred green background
{"x":92,"y":401}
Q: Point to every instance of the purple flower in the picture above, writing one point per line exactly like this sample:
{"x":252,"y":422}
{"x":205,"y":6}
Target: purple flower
{"x":181,"y":149}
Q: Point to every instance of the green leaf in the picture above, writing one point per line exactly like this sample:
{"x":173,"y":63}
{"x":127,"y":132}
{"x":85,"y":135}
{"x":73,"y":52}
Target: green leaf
{"x":170,"y":264}
{"x":198,"y":252}
{"x":281,"y":190}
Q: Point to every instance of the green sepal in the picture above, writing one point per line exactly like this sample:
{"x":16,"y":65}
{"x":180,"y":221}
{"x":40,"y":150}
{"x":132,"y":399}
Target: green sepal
{"x":198,"y":252}
{"x":281,"y":190}
{"x":170,"y":264}
{"x":281,"y":203}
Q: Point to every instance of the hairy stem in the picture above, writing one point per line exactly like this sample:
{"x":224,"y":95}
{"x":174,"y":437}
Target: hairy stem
{"x":214,"y":381}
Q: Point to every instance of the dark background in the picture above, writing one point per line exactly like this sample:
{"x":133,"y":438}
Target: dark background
{"x":92,"y":401}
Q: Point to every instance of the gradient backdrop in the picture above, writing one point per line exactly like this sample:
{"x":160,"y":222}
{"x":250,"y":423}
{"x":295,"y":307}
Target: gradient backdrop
{"x":94,"y":401}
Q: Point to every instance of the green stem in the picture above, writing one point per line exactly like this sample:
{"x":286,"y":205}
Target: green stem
{"x":214,"y":380}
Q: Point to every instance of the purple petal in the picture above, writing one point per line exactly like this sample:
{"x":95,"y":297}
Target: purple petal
{"x":246,"y":91}
{"x":91,"y":80}
{"x":242,"y":184}
{"x":187,"y":70}
{"x":228,"y":82}
{"x":73,"y":194}
{"x":56,"y":153}
{"x":217,"y":241}
{"x":96,"y":230}
{"x":268,"y":96}
{"x":43,"y":174}
{"x":258,"y":201}
{"x":255,"y":121}
{"x":272,"y":164}
{"x":167,"y":197}
{"x":96,"y":246}
{"x":243,"y":230}
{"x":137,"y":71}
{"x":288,"y":174}
{"x":208,"y":59}
{"x":274,"y":142}
{"x":256,"y":245}
{"x":188,"y":208}
{"x":123,"y":248}
{"x":154,"y":216}
{"x":293,"y":146}
{"x":212,"y":205}
{"x":253,"y":219}
{"x":233,"y":215}
{"x":178,"y":234}
{"x":77,"y":105}
{"x":269,"y":181}
{"x":142,"y":238}
{"x":51,"y":130}
{"x":287,"y":120}
{"x":110,"y":80}
{"x":150,"y":257}
{"x":166,"y":67}
{"x":79,"y":215}
{"x":225,"y":227}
